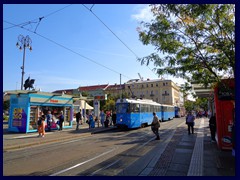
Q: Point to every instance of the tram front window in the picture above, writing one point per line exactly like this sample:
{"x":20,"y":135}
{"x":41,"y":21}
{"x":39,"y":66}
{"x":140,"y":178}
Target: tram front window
{"x":122,"y":108}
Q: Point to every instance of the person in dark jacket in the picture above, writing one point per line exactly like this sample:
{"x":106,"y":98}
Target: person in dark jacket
{"x":213,"y":127}
{"x":114,"y":118}
{"x":190,"y":122}
{"x":78,"y":119}
{"x":61,"y":119}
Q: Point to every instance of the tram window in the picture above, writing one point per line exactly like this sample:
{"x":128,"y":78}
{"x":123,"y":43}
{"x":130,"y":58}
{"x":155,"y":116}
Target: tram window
{"x":134,"y":107}
{"x":151,"y":108}
{"x":122,"y":108}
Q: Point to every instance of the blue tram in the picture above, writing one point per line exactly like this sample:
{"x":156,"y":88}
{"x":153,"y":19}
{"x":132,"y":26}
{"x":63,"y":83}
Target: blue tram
{"x":133,"y":113}
{"x":177,"y":111}
{"x":168,"y":112}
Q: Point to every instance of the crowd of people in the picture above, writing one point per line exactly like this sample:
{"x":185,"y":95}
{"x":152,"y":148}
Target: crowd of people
{"x":46,"y":121}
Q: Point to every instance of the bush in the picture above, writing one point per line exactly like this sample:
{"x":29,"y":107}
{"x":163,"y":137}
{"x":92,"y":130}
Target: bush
{"x":5,"y":118}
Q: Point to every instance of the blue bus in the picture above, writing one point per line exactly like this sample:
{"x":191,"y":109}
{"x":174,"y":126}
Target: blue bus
{"x":133,"y":113}
{"x":168,"y":112}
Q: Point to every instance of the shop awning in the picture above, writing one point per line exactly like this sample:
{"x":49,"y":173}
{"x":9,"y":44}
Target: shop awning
{"x":81,"y":103}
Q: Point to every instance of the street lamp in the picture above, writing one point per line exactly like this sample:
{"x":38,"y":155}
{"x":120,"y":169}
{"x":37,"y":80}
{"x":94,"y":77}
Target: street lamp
{"x":23,"y":43}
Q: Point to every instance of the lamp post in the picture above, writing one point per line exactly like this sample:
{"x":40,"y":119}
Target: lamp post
{"x":23,"y":43}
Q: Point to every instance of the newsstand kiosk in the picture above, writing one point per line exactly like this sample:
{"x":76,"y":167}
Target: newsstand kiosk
{"x":225,"y":112}
{"x":27,"y":106}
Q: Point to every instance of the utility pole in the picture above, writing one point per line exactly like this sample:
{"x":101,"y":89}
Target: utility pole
{"x":24,"y":42}
{"x":121,"y":86}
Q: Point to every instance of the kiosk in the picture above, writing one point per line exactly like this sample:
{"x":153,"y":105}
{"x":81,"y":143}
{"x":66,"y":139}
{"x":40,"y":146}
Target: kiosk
{"x":27,"y":106}
{"x":224,"y":98}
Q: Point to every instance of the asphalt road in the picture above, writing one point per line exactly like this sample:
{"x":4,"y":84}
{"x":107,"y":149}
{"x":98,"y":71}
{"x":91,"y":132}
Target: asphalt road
{"x":102,"y":154}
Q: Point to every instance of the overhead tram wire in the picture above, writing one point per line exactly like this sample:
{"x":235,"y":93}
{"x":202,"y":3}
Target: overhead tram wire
{"x":110,"y":69}
{"x":37,"y":20}
{"x":115,"y":35}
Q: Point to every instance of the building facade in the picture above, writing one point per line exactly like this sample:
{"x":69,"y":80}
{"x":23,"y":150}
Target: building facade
{"x":161,"y":91}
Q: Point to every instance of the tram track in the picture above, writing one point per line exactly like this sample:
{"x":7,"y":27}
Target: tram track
{"x":127,"y":148}
{"x":123,"y":159}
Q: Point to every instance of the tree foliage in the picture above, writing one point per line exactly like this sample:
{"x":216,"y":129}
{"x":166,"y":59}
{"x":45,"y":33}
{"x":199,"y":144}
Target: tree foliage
{"x":6,"y":105}
{"x":192,"y":41}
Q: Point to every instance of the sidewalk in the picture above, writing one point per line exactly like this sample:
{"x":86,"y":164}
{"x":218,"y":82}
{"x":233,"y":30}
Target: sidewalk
{"x":181,"y":154}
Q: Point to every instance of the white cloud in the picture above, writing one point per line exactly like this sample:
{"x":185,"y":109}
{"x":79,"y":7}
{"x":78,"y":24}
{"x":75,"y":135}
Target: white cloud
{"x":143,"y":13}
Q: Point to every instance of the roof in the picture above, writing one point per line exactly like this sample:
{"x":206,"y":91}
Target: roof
{"x":93,"y":88}
{"x":66,"y":91}
{"x":115,"y":87}
{"x":138,"y":101}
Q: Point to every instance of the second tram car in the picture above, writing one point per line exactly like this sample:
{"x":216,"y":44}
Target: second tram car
{"x":133,"y":113}
{"x":177,"y":111}
{"x":168,"y":112}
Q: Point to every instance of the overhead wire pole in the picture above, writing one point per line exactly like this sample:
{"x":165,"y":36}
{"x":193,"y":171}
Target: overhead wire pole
{"x":37,"y":20}
{"x":121,"y":86}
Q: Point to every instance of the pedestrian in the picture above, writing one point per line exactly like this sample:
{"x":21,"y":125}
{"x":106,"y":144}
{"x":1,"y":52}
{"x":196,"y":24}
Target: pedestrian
{"x":49,"y":120}
{"x":102,"y":117}
{"x":155,"y":126}
{"x":106,"y":122}
{"x":61,"y":120}
{"x":91,"y":121}
{"x":212,"y":125}
{"x":210,"y":114}
{"x":114,"y":118}
{"x":41,"y":126}
{"x":78,"y":119}
{"x":190,"y":122}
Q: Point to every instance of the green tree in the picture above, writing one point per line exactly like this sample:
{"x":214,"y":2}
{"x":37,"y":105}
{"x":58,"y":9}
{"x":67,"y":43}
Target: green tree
{"x":189,"y":105}
{"x":6,"y":105}
{"x":192,"y":41}
{"x":110,"y":105}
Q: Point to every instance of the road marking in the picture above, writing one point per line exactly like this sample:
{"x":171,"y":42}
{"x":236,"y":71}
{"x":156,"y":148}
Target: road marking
{"x":65,"y":170}
{"x":19,"y":137}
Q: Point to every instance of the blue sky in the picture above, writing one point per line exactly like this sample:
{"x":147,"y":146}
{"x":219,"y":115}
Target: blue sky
{"x":71,"y":47}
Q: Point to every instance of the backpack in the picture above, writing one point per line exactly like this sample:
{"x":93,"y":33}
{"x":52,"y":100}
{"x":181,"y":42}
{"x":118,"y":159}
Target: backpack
{"x":39,"y":122}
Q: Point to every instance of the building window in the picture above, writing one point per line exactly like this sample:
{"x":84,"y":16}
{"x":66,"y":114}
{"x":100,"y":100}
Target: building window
{"x":156,"y":84}
{"x":142,"y":86}
{"x":163,"y":84}
{"x":147,"y":85}
{"x":151,"y":85}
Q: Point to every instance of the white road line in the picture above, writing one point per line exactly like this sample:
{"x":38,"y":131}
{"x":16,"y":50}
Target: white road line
{"x":65,"y":170}
{"x":121,"y":158}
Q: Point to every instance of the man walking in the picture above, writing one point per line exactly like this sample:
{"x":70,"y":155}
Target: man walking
{"x":155,"y":126}
{"x":78,"y":119}
{"x":190,"y":122}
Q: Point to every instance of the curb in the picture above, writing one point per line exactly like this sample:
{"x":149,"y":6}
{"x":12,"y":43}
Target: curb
{"x":62,"y":139}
